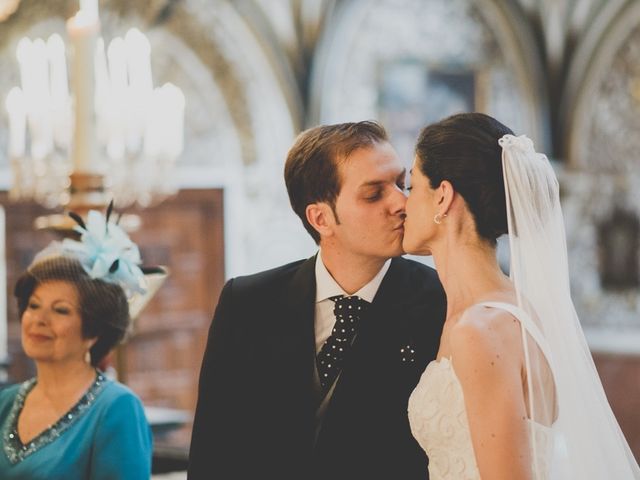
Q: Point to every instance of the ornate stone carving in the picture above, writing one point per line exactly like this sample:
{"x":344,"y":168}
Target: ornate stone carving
{"x":441,"y":35}
{"x":604,"y":173}
{"x":614,"y":144}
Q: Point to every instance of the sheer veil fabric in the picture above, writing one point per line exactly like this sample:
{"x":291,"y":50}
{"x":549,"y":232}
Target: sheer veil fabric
{"x":587,"y":440}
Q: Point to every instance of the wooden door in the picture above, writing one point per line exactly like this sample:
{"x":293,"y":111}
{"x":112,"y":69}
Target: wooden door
{"x":163,"y":356}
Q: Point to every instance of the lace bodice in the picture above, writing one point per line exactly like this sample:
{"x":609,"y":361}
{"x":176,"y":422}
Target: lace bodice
{"x":439,"y":423}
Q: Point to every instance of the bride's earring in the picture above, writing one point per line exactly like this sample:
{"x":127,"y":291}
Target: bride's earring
{"x":437,"y":219}
{"x":87,"y":357}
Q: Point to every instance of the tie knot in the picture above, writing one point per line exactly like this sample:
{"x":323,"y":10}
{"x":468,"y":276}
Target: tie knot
{"x":349,"y":306}
{"x":353,"y":303}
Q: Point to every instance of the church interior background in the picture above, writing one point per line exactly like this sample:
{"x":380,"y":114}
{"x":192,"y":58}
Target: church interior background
{"x":256,"y":72}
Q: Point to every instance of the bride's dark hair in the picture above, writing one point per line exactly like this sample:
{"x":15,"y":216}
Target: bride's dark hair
{"x":463,"y":149}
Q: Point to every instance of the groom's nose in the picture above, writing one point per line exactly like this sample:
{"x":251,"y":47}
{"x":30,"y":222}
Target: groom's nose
{"x":398,"y":202}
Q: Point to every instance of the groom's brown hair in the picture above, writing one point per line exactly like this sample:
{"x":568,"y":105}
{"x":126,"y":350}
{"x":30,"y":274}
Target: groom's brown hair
{"x":311,"y":169}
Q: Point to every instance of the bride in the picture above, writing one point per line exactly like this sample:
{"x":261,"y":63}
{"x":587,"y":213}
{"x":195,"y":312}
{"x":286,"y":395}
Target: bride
{"x":513,"y":393}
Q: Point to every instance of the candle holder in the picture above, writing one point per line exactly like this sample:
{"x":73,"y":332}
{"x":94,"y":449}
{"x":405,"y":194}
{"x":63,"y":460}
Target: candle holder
{"x":116,"y":136}
{"x":87,"y":192}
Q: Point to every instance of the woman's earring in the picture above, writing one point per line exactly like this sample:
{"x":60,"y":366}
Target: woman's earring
{"x":87,"y":357}
{"x":438,"y":218}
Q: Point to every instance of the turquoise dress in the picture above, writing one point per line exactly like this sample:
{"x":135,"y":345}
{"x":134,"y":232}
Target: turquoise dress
{"x":105,"y":436}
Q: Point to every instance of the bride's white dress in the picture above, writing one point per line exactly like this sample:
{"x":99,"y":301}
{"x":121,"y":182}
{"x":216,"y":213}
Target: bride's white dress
{"x":439,"y":421}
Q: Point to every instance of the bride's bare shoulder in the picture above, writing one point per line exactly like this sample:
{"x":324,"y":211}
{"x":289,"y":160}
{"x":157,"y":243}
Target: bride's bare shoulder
{"x":485,"y":333}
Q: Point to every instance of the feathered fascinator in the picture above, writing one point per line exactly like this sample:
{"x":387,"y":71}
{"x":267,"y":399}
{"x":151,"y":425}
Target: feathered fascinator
{"x":104,"y":251}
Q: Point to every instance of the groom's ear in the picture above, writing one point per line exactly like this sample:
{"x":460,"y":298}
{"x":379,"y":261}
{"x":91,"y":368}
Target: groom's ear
{"x":320,"y":216}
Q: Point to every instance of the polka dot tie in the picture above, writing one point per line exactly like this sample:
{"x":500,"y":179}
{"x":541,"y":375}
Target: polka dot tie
{"x":348,"y":312}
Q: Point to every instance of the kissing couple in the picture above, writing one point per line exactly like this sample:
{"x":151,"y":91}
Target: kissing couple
{"x":360,"y":364}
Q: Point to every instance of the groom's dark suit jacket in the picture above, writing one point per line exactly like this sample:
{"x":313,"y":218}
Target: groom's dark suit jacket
{"x":255,"y":417}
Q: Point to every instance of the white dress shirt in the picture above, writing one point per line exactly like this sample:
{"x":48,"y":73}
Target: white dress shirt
{"x":327,"y":287}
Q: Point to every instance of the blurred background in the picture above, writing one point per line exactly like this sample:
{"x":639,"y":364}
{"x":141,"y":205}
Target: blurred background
{"x":253,"y":74}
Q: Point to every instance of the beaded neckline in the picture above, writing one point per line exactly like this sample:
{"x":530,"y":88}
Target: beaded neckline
{"x":15,"y":450}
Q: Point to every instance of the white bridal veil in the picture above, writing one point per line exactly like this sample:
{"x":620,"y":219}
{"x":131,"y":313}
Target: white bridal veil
{"x":587,"y":441}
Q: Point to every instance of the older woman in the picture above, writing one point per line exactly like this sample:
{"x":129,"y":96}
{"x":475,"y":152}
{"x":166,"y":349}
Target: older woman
{"x":70,"y":421}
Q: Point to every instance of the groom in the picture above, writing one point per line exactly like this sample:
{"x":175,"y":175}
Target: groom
{"x":285,"y":391}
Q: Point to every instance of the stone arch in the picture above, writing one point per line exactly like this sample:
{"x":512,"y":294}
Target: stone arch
{"x":491,"y":37}
{"x":602,"y":101}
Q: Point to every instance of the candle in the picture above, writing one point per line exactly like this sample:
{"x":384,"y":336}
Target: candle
{"x":40,"y":120}
{"x":116,"y":54}
{"x":17,"y":112}
{"x":165,"y":128}
{"x":59,"y":91}
{"x":175,"y":117}
{"x":103,"y":93}
{"x":89,"y":9}
{"x":140,"y":87}
{"x":139,"y":60}
{"x":154,"y":126}
{"x":24,"y":55}
{"x":83,"y":31}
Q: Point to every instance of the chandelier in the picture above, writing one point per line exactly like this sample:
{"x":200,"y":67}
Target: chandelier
{"x":115,"y":136}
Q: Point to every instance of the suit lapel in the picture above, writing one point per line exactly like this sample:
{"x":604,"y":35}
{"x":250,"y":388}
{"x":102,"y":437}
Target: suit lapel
{"x":410,"y":316}
{"x":296,"y":344}
{"x":391,"y":298}
{"x":393,"y":289}
{"x":300,"y":296}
